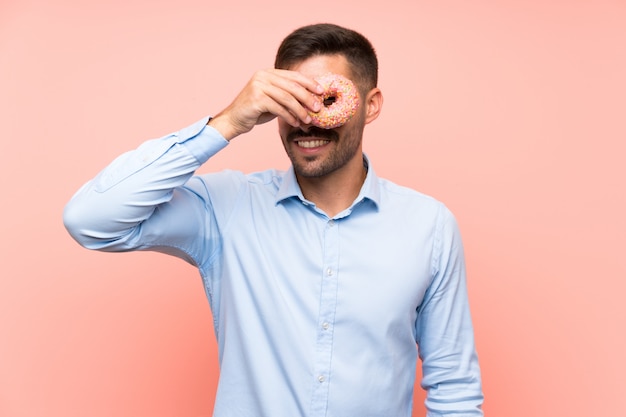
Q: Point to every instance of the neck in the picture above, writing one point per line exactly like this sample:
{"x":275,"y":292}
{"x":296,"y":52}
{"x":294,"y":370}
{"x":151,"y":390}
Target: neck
{"x":336,"y":191}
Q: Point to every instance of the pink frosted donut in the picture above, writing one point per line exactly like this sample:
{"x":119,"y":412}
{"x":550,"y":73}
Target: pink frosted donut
{"x":340,"y":101}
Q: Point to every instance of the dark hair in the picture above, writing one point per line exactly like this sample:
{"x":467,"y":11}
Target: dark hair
{"x":330,"y":39}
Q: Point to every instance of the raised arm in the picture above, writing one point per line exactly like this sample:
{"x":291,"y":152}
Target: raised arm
{"x":110,"y":211}
{"x":107,"y":212}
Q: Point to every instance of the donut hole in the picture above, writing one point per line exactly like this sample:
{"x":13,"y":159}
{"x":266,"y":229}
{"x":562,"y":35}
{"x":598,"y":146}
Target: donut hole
{"x":329,"y":100}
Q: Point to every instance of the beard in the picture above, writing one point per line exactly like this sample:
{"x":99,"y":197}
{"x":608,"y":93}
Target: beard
{"x":343,"y":150}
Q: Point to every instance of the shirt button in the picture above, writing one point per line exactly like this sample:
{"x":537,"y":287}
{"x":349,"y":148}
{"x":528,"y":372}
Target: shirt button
{"x":321,"y":378}
{"x":331,"y":223}
{"x":329,"y":272}
{"x":325,"y":325}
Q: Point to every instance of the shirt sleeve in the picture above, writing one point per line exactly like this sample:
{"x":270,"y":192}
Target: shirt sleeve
{"x":445,"y":335}
{"x":125,"y":207}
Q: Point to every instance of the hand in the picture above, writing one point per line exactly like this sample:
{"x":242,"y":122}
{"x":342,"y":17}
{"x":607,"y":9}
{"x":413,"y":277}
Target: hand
{"x":271,"y":93}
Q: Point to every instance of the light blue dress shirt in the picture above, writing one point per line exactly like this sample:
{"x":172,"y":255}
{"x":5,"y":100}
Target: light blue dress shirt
{"x":314,"y":316}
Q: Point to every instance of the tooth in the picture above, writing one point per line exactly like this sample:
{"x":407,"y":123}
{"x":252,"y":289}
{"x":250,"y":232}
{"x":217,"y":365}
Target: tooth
{"x":312,"y":143}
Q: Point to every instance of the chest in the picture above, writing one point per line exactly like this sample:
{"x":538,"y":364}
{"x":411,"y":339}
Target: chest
{"x":367,"y":264}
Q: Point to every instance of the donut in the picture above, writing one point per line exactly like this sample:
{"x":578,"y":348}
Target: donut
{"x":340,"y":101}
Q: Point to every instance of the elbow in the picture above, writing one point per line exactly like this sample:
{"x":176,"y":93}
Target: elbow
{"x":83,"y":227}
{"x":74,"y":222}
{"x":93,"y":228}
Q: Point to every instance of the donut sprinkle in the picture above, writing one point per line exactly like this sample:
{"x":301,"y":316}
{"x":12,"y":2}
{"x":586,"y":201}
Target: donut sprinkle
{"x":340,"y":101}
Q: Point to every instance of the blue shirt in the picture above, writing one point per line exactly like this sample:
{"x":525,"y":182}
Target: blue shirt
{"x":314,"y":316}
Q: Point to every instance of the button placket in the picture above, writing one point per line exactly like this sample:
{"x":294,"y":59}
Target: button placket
{"x":328,"y":304}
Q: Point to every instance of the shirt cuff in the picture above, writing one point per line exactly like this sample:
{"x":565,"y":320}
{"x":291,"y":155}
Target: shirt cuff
{"x":201,"y":140}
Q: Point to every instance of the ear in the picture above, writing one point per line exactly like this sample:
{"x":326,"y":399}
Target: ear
{"x":373,"y":104}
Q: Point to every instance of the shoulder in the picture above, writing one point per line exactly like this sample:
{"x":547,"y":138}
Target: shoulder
{"x":412,"y":206}
{"x":393,"y":193}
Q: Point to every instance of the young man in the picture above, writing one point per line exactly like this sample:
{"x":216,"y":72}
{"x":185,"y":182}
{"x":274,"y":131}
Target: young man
{"x":323,"y":279}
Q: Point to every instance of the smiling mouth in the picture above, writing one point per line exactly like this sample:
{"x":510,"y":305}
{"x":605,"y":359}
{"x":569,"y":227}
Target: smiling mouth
{"x":313,"y":137}
{"x":311,"y":143}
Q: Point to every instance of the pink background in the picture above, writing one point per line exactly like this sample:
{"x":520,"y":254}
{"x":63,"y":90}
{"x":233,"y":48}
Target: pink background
{"x":511,"y":112}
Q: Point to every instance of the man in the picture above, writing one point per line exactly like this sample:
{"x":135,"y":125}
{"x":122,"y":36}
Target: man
{"x":323,"y":279}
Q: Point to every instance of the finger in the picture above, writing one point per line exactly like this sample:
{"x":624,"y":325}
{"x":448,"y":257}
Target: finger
{"x":307,"y":82}
{"x":305,"y":89}
{"x":269,"y":107}
{"x":285,"y":101}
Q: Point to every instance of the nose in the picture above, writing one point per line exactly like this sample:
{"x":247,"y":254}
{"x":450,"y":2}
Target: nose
{"x":305,"y":127}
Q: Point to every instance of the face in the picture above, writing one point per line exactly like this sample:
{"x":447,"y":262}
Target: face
{"x":315,"y":152}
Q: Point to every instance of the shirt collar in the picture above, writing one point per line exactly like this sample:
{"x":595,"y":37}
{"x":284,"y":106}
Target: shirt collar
{"x":370,"y":190}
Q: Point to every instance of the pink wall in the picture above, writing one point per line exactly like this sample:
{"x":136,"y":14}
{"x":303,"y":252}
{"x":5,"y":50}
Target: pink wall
{"x":512,"y":112}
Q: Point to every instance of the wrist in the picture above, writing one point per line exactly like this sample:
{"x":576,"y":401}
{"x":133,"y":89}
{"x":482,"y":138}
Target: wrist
{"x":223,"y":126}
